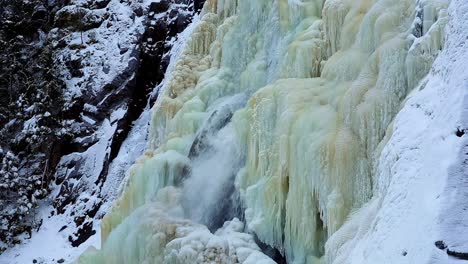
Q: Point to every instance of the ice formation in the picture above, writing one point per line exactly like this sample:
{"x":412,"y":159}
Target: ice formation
{"x":157,"y":233}
{"x":294,"y":99}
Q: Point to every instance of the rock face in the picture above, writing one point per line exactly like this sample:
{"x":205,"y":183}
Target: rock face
{"x":107,"y":57}
{"x":132,"y":68}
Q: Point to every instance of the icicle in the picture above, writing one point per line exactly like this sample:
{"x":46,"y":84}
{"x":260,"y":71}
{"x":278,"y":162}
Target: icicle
{"x":324,"y":80}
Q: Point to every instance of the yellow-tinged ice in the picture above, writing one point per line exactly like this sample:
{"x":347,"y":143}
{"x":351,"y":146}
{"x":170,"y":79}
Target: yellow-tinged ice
{"x":312,"y":142}
{"x":324,"y":78}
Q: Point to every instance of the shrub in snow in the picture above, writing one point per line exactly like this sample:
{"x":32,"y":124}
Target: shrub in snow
{"x":18,"y":198}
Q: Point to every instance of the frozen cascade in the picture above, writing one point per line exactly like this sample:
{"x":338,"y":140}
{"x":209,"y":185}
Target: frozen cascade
{"x":284,"y":103}
{"x":209,"y":193}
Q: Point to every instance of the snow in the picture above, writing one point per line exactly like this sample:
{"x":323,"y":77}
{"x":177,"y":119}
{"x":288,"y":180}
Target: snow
{"x":57,"y":244}
{"x":131,"y":149}
{"x":422,"y":184}
{"x":107,"y":50}
{"x":118,"y":114}
{"x":49,"y":244}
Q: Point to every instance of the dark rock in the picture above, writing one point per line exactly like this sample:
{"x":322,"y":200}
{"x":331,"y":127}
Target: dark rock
{"x":272,"y":252}
{"x":78,"y":18}
{"x":61,"y":260}
{"x":70,"y":17}
{"x":440,"y":245}
{"x":418,"y":26}
{"x":106,"y":69}
{"x":76,"y":46}
{"x":39,"y":225}
{"x":217,"y":120}
{"x":98,"y":4}
{"x":458,"y":255}
{"x":123,"y":50}
{"x":74,"y":66}
{"x":180,"y":21}
{"x":198,"y":5}
{"x":61,"y":44}
{"x":226,"y":209}
{"x":138,"y":11}
{"x":159,"y":7}
{"x":79,"y":220}
{"x":40,"y":12}
{"x":83,"y":233}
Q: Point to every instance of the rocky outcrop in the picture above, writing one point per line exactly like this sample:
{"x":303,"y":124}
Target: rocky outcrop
{"x":105,"y":58}
{"x":134,"y":66}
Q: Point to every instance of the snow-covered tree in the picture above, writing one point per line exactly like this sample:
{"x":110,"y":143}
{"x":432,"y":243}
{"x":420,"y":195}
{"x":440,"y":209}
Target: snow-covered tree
{"x":31,"y":118}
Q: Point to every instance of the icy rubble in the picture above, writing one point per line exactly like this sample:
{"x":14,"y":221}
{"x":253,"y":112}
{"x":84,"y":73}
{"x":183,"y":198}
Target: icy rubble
{"x":175,"y":239}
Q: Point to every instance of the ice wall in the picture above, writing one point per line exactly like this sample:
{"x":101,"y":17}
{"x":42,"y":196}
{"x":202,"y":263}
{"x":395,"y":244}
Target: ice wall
{"x":319,"y":83}
{"x":418,"y":201}
{"x":312,"y":143}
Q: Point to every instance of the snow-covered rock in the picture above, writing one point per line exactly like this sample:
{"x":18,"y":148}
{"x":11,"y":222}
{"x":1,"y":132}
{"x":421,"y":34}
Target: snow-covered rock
{"x":112,"y":55}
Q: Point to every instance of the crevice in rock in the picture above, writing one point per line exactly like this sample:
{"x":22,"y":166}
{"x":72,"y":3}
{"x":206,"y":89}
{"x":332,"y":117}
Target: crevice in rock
{"x":271,"y":252}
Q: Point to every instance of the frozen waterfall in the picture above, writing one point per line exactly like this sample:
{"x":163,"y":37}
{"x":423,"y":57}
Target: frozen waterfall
{"x":270,"y":126}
